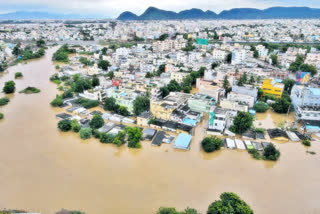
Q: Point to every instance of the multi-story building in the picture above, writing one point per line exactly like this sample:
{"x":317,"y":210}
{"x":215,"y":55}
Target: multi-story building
{"x":163,"y":108}
{"x":273,"y":87}
{"x":201,"y":103}
{"x":304,"y":96}
{"x":178,"y":76}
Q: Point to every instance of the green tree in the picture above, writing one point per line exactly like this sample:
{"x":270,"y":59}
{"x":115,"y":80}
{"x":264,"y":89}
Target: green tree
{"x":141,"y":104}
{"x":4,"y":101}
{"x":9,"y":87}
{"x":103,"y":64}
{"x":309,"y":68}
{"x":18,"y":75}
{"x":64,"y":125}
{"x":260,"y":93}
{"x":1,"y":116}
{"x":251,"y":80}
{"x":174,"y":86}
{"x":110,"y":74}
{"x":97,"y":121}
{"x":306,"y":142}
{"x":274,"y":59}
{"x":256,"y":54}
{"x":261,"y":107}
{"x":214,"y":65}
{"x":110,"y":104}
{"x":282,"y":105}
{"x":75,"y":126}
{"x":288,"y":84}
{"x":148,"y":75}
{"x":134,"y":137}
{"x":107,"y":138}
{"x":271,"y":153}
{"x":242,"y":122}
{"x":163,"y":37}
{"x":85,"y":133}
{"x":57,"y":101}
{"x":95,"y":81}
{"x":17,"y":49}
{"x":122,"y":110}
{"x":104,"y":51}
{"x":41,"y":43}
{"x":211,"y":144}
{"x":295,"y":66}
{"x":167,"y":210}
{"x":161,"y":69}
{"x":229,"y":203}
{"x":85,"y":61}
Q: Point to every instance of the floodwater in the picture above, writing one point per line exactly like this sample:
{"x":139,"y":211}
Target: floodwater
{"x":44,"y":170}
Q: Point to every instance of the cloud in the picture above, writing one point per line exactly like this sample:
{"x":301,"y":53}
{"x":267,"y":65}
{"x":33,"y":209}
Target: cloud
{"x":112,"y":8}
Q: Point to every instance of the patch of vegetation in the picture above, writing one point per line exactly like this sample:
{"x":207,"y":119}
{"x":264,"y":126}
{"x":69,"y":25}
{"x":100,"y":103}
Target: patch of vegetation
{"x":18,"y":75}
{"x":96,"y":122}
{"x":1,"y":116}
{"x":30,"y":90}
{"x":134,"y":137}
{"x":311,"y":152}
{"x":306,"y":142}
{"x":9,"y":87}
{"x":211,"y":144}
{"x":86,"y":103}
{"x":255,"y":154}
{"x":261,"y":107}
{"x":62,"y":54}
{"x":229,"y":203}
{"x":85,"y":133}
{"x":242,"y":122}
{"x":58,"y":101}
{"x":4,"y":101}
{"x":271,"y":153}
{"x":64,"y":125}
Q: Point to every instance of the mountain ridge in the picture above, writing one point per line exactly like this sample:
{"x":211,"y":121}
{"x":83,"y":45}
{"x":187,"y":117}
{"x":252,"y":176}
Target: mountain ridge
{"x":153,"y":13}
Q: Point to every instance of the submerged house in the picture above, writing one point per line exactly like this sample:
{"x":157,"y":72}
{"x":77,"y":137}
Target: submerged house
{"x":183,"y":141}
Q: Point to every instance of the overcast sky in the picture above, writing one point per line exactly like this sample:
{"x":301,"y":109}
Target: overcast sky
{"x":112,"y":8}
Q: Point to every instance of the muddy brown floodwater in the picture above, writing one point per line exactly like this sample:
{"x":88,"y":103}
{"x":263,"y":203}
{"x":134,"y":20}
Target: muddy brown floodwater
{"x":44,"y":170}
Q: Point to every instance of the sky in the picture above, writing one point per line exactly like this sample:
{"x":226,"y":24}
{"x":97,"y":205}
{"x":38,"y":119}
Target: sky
{"x":112,"y":8}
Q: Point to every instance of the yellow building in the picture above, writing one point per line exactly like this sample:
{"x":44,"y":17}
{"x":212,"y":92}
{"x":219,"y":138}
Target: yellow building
{"x":273,"y":87}
{"x":162,"y":109}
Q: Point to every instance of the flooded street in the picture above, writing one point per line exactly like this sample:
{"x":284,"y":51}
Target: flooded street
{"x":44,"y":170}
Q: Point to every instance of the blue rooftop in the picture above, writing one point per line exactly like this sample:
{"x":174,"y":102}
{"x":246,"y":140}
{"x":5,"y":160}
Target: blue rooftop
{"x":315,"y":91}
{"x":183,"y":141}
{"x":189,"y":121}
{"x":276,"y":81}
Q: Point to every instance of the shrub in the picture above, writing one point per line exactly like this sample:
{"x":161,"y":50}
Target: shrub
{"x":107,"y":138}
{"x":75,"y":126}
{"x":64,"y":125}
{"x":9,"y":87}
{"x":30,"y":90}
{"x":271,"y":153}
{"x":86,"y":103}
{"x":1,"y":116}
{"x":57,"y":102}
{"x":260,"y":130}
{"x":261,"y":107}
{"x":134,"y":137}
{"x":306,"y":142}
{"x":18,"y":75}
{"x":4,"y":101}
{"x":96,"y":122}
{"x":254,"y":153}
{"x":211,"y":144}
{"x":229,"y":203}
{"x":85,"y":133}
{"x":242,"y":122}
